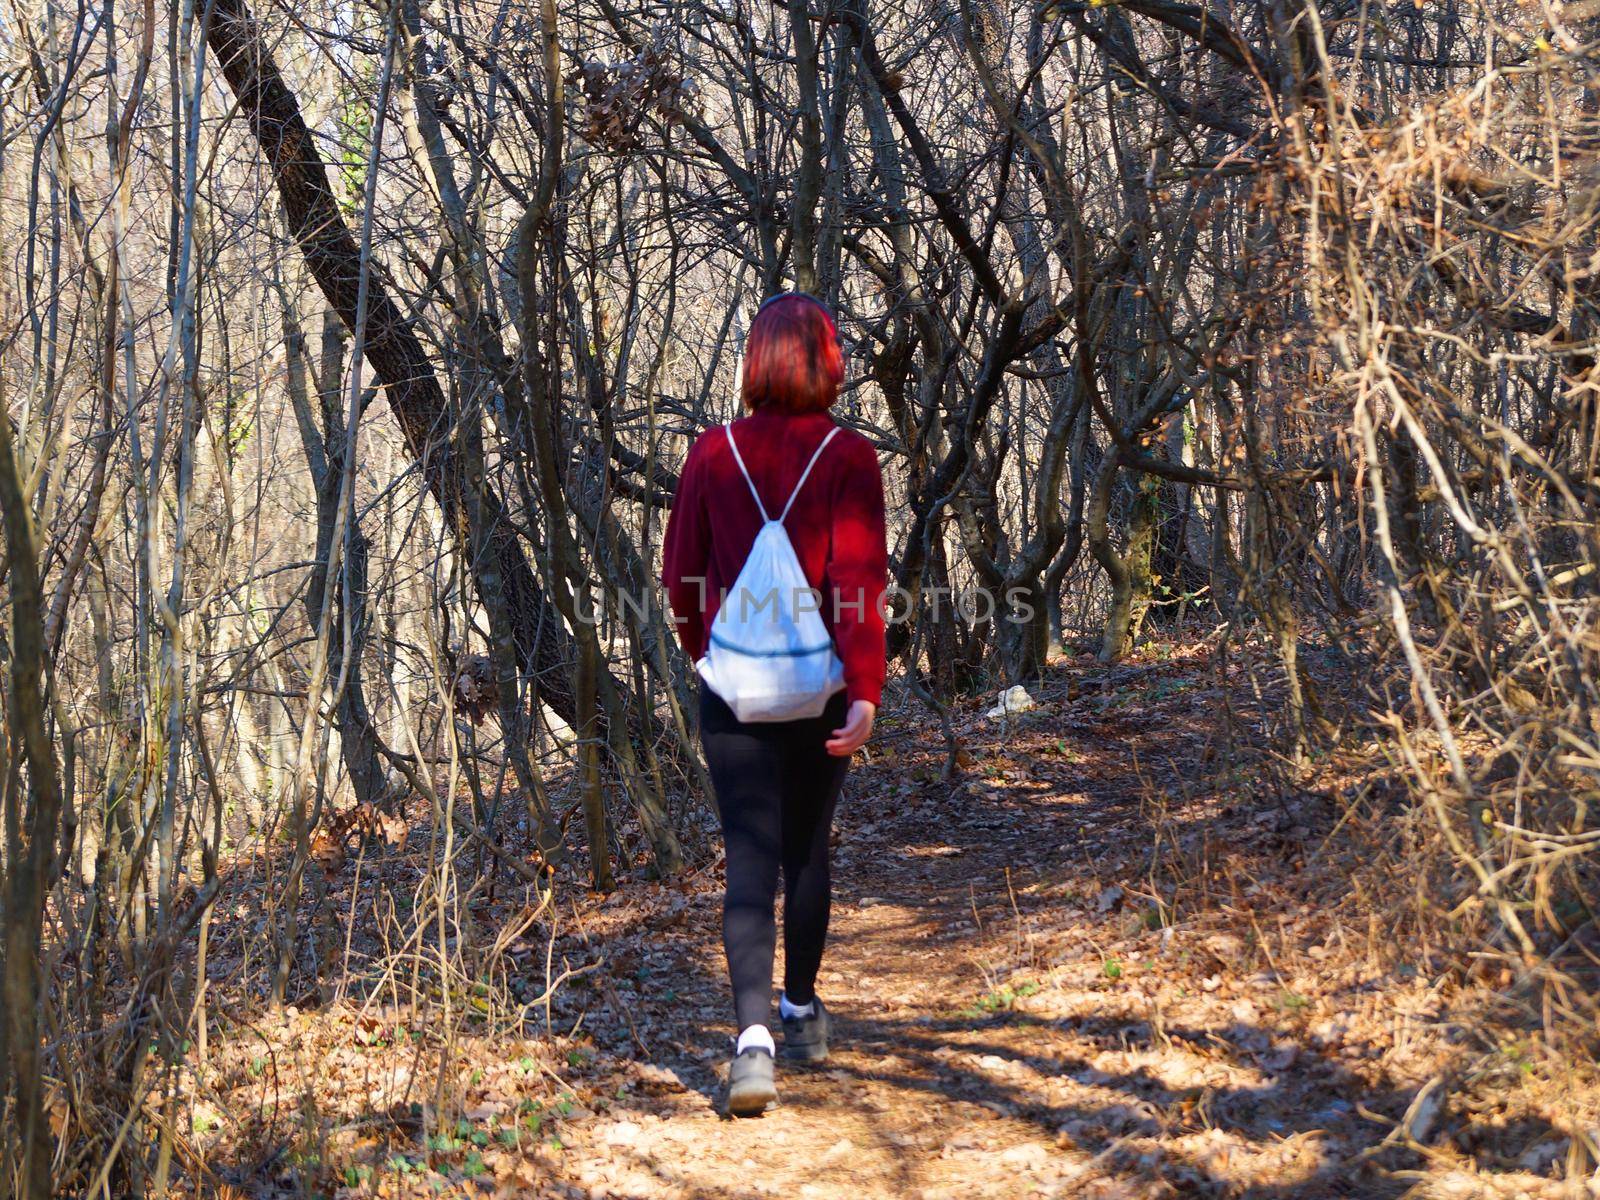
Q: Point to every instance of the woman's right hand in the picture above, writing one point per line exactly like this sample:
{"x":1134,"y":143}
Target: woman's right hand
{"x":857,"y":728}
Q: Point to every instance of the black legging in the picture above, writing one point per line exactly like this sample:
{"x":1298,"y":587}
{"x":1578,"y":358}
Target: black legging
{"x":776,"y":789}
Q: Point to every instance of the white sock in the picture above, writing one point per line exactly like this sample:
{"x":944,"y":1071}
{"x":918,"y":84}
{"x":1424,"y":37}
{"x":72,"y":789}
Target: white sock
{"x":758,"y":1036}
{"x":790,"y":1011}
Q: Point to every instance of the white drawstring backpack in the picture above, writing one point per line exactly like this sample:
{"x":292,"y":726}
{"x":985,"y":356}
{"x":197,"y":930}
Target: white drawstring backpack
{"x":770,"y":657}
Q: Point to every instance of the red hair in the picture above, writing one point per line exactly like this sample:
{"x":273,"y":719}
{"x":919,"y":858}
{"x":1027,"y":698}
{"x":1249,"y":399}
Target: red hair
{"x":792,"y":360}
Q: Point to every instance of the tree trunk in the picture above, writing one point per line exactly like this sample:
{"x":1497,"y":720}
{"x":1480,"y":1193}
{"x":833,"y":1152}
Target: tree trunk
{"x":30,"y":837}
{"x":536,"y":427}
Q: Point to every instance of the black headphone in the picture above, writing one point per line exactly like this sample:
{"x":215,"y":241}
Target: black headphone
{"x":803,"y":296}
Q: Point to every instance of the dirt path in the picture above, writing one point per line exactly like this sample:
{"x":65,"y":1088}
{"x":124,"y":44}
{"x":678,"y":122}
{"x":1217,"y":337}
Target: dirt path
{"x":924,"y":1093}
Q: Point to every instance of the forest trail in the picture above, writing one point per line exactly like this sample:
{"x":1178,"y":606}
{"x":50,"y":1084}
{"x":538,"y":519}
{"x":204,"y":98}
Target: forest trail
{"x":350,"y":374}
{"x":1112,"y":959}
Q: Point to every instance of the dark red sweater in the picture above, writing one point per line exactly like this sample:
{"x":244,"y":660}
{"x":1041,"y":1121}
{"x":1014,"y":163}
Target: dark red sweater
{"x":836,"y":527}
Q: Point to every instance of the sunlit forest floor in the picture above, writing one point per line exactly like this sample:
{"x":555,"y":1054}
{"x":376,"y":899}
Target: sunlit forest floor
{"x":1122,"y":955}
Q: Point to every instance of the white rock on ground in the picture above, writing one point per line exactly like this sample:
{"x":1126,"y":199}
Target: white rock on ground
{"x":1014,"y":699}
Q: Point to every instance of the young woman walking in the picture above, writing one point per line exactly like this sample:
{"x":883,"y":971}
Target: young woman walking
{"x":776,"y":782}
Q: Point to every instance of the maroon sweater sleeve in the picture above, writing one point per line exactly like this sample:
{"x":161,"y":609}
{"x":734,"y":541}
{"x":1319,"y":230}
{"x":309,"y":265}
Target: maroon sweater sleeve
{"x":686,"y":553}
{"x":858,"y":572}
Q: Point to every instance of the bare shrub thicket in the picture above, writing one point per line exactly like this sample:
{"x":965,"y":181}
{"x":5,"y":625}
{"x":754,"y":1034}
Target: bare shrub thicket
{"x":1451,"y":283}
{"x":348,"y":356}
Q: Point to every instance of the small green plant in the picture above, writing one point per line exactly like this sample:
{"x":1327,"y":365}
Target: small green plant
{"x":1165,"y":688}
{"x":1001,"y":999}
{"x":1111,"y":968}
{"x":1516,"y":1056}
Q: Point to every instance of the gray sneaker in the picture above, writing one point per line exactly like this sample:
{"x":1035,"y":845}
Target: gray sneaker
{"x":805,"y":1039}
{"x":750,"y":1085}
